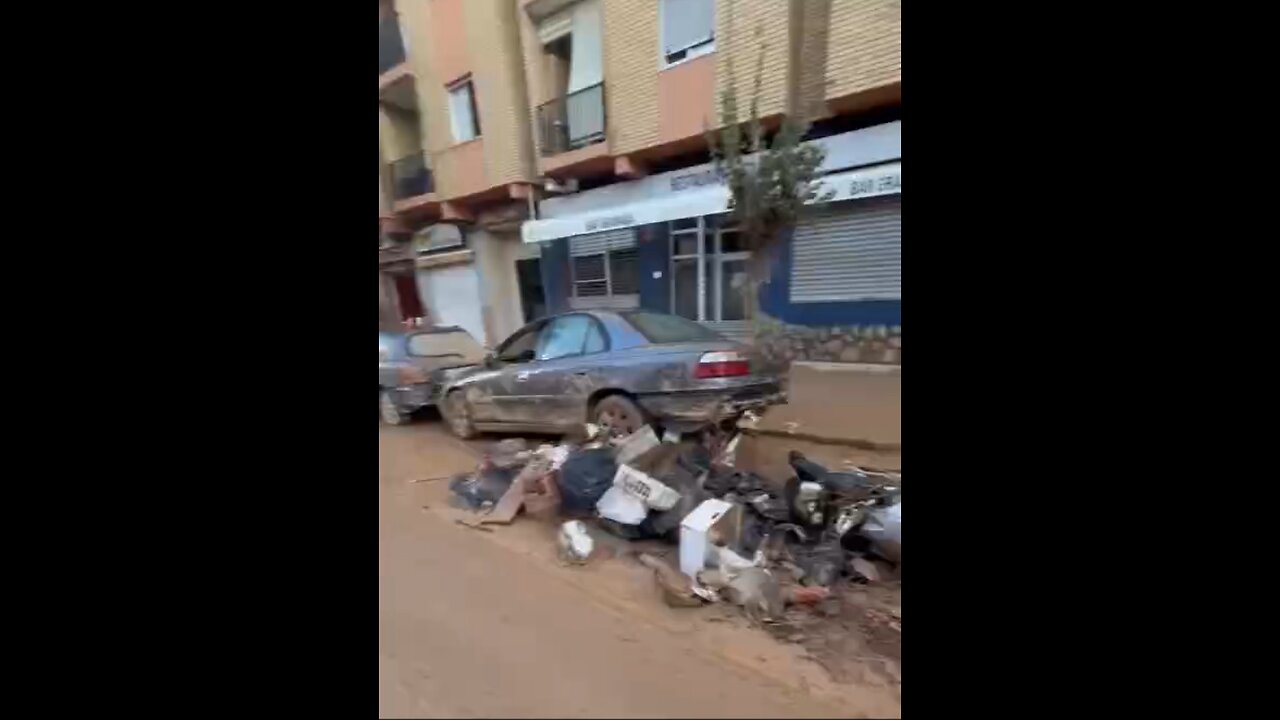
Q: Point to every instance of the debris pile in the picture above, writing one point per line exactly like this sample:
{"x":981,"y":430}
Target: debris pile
{"x":774,"y":549}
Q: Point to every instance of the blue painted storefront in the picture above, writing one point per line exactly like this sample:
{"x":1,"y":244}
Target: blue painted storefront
{"x":655,"y":292}
{"x":775,"y":300}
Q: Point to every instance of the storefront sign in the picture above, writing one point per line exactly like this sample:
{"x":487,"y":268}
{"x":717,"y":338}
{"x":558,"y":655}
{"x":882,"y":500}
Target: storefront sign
{"x":610,"y":222}
{"x":696,"y":178}
{"x":702,"y":193}
{"x":867,"y":182}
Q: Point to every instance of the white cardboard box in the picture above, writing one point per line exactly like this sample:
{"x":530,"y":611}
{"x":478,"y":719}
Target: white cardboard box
{"x":653,"y":492}
{"x":695,"y":530}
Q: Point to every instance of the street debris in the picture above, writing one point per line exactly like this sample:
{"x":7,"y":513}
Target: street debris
{"x":415,"y":481}
{"x":486,"y":485}
{"x":787,"y":551}
{"x":621,"y":506}
{"x":758,"y":592}
{"x":635,"y":444}
{"x":575,"y":542}
{"x":695,"y":533}
{"x":811,"y":595}
{"x":884,"y":528}
{"x":473,"y":526}
{"x":584,"y":478}
{"x":676,"y":589}
{"x":864,"y":569}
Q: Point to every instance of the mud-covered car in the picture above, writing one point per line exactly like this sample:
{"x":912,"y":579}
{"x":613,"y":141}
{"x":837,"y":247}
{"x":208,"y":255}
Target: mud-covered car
{"x":620,"y":369}
{"x":413,"y":366}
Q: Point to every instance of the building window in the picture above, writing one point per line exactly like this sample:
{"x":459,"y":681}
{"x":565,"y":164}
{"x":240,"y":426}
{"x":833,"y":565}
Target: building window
{"x":709,"y":281}
{"x":688,"y":29}
{"x":572,"y":77}
{"x":590,"y":279}
{"x":608,"y":274}
{"x":464,"y":121}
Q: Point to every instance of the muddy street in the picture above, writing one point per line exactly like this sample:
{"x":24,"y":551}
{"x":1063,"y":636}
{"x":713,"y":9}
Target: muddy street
{"x":489,"y":624}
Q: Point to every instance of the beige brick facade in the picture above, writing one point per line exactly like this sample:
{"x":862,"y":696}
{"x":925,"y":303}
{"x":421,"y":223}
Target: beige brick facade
{"x":479,"y":37}
{"x":745,"y":29}
{"x":806,"y":82}
{"x":864,"y":46}
{"x":813,"y":50}
{"x":497,"y":69}
{"x":631,"y":73}
{"x":415,"y":20}
{"x":531,"y":52}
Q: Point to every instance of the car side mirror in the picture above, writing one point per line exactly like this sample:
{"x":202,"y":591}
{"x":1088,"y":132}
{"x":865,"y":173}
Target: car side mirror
{"x":490,"y":361}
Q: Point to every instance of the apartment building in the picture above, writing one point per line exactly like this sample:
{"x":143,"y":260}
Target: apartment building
{"x":548,"y":155}
{"x":621,"y":93}
{"x":456,"y":159}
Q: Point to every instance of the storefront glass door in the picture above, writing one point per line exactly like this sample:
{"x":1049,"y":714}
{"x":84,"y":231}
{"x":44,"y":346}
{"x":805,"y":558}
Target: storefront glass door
{"x":708,"y":271}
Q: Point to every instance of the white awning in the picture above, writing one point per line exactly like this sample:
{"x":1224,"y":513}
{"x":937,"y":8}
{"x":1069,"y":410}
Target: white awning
{"x":883,"y":179}
{"x":702,"y":201}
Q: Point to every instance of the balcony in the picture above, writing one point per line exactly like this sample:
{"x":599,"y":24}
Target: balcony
{"x":390,"y":44}
{"x":573,"y":121}
{"x":410,"y":177}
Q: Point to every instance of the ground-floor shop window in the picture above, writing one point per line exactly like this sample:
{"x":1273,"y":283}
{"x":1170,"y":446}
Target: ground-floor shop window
{"x":606,"y":270}
{"x":709,"y":270}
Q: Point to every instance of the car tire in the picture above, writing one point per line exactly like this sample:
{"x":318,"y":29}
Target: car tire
{"x":388,"y":412}
{"x":456,"y":412}
{"x":620,"y":414}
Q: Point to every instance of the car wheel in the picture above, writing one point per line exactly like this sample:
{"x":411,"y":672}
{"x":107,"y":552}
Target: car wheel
{"x":387,"y":410}
{"x":457,"y":413}
{"x":619,"y":414}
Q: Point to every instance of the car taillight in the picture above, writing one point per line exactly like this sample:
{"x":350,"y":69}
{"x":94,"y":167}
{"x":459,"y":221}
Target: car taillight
{"x":722,"y":364}
{"x":411,"y":376}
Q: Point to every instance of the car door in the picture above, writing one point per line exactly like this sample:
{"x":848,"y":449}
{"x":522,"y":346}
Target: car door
{"x":553,"y":390}
{"x":491,"y":401}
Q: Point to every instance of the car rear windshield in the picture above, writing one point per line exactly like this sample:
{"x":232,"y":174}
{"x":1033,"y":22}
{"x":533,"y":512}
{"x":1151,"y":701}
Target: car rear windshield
{"x":662,"y":328}
{"x":451,"y":345}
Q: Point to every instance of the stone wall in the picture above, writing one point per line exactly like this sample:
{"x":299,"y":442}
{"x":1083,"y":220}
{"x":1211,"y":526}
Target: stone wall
{"x":784,"y":343}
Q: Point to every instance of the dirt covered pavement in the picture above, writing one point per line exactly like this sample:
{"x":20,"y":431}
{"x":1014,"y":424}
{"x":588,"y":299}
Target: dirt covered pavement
{"x":490,"y":624}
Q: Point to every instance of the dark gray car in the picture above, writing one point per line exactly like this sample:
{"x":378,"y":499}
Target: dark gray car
{"x":413,"y":365}
{"x":620,"y":369}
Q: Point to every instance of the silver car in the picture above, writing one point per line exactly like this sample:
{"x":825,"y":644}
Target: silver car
{"x":413,"y":365}
{"x":618,"y":369}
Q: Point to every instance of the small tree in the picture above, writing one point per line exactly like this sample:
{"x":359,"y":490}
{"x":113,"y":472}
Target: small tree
{"x":770,"y":180}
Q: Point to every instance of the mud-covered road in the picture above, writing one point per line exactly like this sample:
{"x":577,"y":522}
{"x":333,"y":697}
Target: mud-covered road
{"x":487,"y":624}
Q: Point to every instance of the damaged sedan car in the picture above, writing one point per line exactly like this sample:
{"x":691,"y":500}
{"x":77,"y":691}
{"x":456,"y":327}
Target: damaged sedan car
{"x":618,"y":369}
{"x":413,"y":366}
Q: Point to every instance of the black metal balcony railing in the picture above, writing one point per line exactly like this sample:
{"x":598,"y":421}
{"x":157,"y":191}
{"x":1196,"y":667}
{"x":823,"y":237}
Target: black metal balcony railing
{"x":390,"y":44}
{"x":410,"y":177}
{"x":573,"y":121}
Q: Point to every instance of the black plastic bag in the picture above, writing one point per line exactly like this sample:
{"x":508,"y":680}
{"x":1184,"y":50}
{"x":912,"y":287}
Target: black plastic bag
{"x":584,"y":478}
{"x":475,"y":489}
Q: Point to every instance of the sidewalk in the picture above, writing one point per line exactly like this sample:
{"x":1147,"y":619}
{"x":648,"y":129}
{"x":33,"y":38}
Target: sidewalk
{"x":860,"y":408}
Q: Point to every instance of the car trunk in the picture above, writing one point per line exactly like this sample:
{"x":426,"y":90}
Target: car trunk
{"x":705,"y":346}
{"x":443,"y":348}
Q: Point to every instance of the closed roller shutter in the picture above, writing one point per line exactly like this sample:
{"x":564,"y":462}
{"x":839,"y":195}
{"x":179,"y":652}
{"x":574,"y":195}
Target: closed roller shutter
{"x":452,"y":295}
{"x":596,"y":243}
{"x":849,"y":252}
